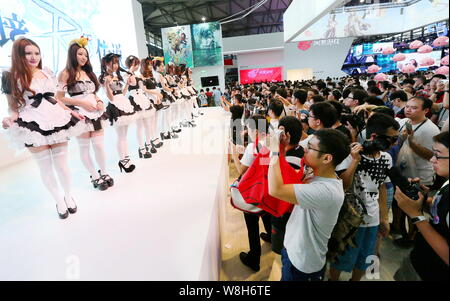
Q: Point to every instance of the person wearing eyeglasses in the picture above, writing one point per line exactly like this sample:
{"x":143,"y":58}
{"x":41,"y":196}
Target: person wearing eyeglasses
{"x":414,"y":155}
{"x":356,"y":98}
{"x":429,"y":258}
{"x":321,"y":115}
{"x":366,"y":176}
{"x":317,"y":203}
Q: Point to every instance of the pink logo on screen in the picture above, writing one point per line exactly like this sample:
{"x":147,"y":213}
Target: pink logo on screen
{"x":261,"y":75}
{"x":305,"y":45}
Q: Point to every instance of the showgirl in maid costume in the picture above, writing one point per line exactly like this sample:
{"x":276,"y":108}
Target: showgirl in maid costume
{"x":144,"y":109}
{"x":158,"y":69}
{"x":120,"y":109}
{"x":39,"y":121}
{"x":80,"y":82}
{"x":179,"y":103}
{"x":153,"y":92}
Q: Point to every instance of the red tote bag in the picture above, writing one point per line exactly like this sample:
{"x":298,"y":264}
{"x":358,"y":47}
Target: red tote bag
{"x":254,"y":186}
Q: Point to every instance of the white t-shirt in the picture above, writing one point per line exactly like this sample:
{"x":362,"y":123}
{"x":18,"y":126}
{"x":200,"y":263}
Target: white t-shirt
{"x":312,"y":221}
{"x":369,"y":176}
{"x":274,"y":123}
{"x":250,"y":154}
{"x":413,"y":166}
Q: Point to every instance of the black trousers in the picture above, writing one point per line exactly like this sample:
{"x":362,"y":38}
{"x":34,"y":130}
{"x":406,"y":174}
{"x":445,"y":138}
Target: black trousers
{"x":252,"y":222}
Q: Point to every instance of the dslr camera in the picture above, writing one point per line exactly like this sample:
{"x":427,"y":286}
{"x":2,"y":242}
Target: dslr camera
{"x":380,"y":143}
{"x":410,"y":189}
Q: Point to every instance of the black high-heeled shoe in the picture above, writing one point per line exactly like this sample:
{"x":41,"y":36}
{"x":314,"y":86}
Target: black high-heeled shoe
{"x":62,"y":215}
{"x":143,"y":153}
{"x":106,"y":178}
{"x":165,"y":136}
{"x":123,"y":165}
{"x":157,"y":145}
{"x":176,"y":130}
{"x":150,"y":148}
{"x":71,"y":210}
{"x":99,"y":183}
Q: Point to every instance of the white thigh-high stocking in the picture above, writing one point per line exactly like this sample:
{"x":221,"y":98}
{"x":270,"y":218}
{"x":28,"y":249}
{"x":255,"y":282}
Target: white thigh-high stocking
{"x":60,"y":161}
{"x":98,"y":143}
{"x":85,"y":145}
{"x":45,"y":163}
{"x":147,"y":129}
{"x":160,"y":115}
{"x":152,"y":120}
{"x":122,"y":143}
{"x":140,"y":133}
{"x":168,"y":119}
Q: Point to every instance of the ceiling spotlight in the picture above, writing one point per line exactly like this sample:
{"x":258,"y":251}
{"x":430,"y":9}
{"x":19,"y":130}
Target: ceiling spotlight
{"x":203,"y":19}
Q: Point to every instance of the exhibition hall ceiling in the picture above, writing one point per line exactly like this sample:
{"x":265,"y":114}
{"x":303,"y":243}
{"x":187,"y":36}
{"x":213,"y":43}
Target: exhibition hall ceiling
{"x":266,"y":19}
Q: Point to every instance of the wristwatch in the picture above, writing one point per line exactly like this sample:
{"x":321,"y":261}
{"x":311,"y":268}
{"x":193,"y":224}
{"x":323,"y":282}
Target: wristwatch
{"x":418,"y":219}
{"x":273,"y":154}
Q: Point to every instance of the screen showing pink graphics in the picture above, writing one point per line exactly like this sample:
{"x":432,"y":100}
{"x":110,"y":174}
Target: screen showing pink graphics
{"x":261,"y":75}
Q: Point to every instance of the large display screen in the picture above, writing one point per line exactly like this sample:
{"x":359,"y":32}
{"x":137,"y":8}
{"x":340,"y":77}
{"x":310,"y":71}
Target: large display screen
{"x":357,"y":64}
{"x":377,"y":19}
{"x":261,"y":75}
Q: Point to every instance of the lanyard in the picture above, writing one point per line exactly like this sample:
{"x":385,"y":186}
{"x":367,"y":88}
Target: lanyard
{"x":416,"y":127}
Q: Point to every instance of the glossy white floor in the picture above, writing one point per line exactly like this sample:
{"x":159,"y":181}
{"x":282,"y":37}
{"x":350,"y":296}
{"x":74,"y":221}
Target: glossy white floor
{"x":158,"y":223}
{"x":234,"y":240}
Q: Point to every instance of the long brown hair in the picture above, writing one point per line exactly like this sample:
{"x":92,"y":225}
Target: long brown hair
{"x":72,"y":65}
{"x":145,"y":70}
{"x":21,"y":72}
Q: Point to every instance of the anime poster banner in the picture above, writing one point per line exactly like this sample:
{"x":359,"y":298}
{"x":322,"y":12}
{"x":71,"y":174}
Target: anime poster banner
{"x":377,"y":19}
{"x":177,"y":45}
{"x":207,"y":44}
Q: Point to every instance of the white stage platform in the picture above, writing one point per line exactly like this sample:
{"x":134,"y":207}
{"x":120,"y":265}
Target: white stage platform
{"x":160,"y":222}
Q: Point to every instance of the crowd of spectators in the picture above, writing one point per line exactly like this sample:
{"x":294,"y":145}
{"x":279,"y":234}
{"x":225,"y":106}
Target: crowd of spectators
{"x":386,"y":143}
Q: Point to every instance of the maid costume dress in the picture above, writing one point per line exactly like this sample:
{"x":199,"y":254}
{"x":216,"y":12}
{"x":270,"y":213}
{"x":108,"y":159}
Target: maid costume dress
{"x":121,"y":110}
{"x":42,"y":120}
{"x":141,"y":103}
{"x":86,"y":90}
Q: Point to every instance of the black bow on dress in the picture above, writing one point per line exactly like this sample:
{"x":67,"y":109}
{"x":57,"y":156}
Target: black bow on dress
{"x":38,"y":99}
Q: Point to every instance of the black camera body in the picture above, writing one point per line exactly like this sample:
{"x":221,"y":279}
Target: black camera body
{"x":355,"y":121}
{"x":375,"y":145}
{"x":411,"y":190}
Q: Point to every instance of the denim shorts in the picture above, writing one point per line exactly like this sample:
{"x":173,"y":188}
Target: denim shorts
{"x":365,"y":240}
{"x":290,"y":273}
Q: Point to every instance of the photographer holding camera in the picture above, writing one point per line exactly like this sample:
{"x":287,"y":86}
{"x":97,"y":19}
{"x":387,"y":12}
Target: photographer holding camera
{"x":366,"y":175}
{"x":429,"y":259}
{"x":415,"y":153}
{"x":317,"y":203}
